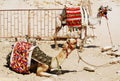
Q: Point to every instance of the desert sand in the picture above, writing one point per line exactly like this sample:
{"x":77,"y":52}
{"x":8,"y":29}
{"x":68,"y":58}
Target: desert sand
{"x":73,"y":71}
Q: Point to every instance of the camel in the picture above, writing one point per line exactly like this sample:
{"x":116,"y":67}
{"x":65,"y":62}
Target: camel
{"x":54,"y":62}
{"x":86,"y":21}
{"x":68,"y":47}
{"x":40,"y":67}
{"x":61,"y":21}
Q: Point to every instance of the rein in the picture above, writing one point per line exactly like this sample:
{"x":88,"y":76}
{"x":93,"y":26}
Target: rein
{"x":69,"y":47}
{"x":80,"y":58}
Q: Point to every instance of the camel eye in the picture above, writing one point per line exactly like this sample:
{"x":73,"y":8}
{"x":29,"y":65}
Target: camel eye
{"x":68,"y":41}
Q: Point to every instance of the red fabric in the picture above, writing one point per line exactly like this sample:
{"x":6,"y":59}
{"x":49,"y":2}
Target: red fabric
{"x":73,"y":14}
{"x":19,"y":62}
{"x":73,"y":8}
{"x":73,"y":17}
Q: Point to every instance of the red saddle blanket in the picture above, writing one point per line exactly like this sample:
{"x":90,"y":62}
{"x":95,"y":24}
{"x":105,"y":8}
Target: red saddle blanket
{"x":73,"y":17}
{"x":20,"y":57}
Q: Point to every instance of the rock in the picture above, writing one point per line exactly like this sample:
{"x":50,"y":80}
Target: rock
{"x":115,"y":60}
{"x":118,"y":72}
{"x":114,"y":49}
{"x":114,"y":53}
{"x":117,"y":53}
{"x":90,"y":69}
{"x":107,"y":48}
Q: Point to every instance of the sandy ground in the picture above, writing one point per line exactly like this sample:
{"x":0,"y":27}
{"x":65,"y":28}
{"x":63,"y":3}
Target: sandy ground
{"x":73,"y":71}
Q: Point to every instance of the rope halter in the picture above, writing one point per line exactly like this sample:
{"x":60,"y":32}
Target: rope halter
{"x":70,"y":45}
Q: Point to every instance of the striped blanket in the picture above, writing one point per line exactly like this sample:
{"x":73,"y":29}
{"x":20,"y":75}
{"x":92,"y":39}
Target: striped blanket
{"x":73,"y":17}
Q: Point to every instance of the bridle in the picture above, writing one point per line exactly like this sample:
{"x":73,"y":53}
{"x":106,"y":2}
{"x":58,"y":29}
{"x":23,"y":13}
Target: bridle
{"x":69,"y":46}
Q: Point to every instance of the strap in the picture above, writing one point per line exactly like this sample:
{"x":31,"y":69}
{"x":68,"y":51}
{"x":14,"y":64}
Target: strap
{"x":58,"y":66}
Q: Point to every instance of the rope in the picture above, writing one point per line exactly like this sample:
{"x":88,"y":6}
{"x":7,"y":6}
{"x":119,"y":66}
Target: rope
{"x":80,"y":58}
{"x":93,"y":33}
{"x":58,"y":65}
{"x":109,"y":33}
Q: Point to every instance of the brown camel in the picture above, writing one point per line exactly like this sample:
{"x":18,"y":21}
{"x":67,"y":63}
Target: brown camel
{"x":47,"y":63}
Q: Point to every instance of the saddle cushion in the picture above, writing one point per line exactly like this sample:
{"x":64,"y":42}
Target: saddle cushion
{"x":20,"y":61}
{"x":39,"y":56}
{"x":73,"y":16}
{"x":22,"y":53}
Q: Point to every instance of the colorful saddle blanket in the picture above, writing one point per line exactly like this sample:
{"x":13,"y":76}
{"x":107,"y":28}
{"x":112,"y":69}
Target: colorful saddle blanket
{"x":20,"y":57}
{"x":73,"y":17}
{"x":22,"y":53}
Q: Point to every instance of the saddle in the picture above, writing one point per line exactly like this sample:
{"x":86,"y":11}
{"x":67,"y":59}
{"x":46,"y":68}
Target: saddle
{"x":22,"y":55}
{"x":73,"y":16}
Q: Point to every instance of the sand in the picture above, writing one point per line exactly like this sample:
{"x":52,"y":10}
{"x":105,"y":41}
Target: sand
{"x":73,"y":71}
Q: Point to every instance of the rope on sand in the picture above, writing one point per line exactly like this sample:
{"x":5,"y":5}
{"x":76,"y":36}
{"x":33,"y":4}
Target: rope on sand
{"x":109,"y":33}
{"x":103,"y":65}
{"x":80,"y":58}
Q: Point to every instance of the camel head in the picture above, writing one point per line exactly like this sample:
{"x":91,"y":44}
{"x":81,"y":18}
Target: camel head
{"x":70,"y":44}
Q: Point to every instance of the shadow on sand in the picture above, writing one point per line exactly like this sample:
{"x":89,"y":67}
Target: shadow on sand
{"x":59,"y":72}
{"x":59,"y":45}
{"x":92,"y":46}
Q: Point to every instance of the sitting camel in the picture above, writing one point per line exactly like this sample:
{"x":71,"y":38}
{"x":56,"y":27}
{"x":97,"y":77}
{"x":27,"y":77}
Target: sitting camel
{"x":39,"y":61}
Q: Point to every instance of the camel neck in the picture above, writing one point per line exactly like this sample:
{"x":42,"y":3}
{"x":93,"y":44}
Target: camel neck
{"x":59,"y":59}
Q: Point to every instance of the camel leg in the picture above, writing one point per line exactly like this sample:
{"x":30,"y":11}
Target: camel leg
{"x":55,"y":36}
{"x":83,"y":40}
{"x":41,"y":70}
{"x":81,"y":45}
{"x":85,"y":28}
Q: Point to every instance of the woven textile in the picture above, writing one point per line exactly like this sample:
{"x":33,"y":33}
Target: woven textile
{"x":73,"y":17}
{"x":19,"y":61}
{"x":41,"y":57}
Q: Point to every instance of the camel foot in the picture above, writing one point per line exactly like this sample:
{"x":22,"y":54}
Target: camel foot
{"x":46,"y":74}
{"x":81,"y":49}
{"x":59,"y":72}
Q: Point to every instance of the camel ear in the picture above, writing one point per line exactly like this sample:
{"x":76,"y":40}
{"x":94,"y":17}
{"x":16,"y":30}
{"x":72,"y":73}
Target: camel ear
{"x":68,"y":41}
{"x":64,"y":45}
